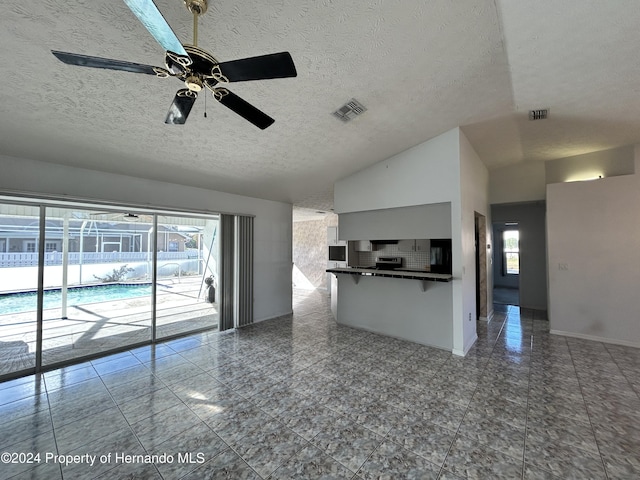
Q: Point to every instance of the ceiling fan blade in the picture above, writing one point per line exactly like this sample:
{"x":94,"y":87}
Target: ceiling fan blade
{"x":245,"y":109}
{"x":274,"y":65}
{"x":99,"y":62}
{"x":152,"y":19}
{"x":180,"y":107}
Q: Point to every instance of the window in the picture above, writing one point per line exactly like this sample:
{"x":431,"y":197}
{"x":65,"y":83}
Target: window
{"x":511,"y":252}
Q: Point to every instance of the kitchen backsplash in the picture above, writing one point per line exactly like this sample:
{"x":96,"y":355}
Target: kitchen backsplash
{"x":418,"y":260}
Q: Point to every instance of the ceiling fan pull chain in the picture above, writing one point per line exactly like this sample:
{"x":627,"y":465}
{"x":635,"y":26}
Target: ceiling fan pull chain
{"x":205,"y":106}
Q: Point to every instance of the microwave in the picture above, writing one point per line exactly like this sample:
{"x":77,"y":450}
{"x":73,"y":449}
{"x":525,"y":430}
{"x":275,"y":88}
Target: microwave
{"x":337,"y":253}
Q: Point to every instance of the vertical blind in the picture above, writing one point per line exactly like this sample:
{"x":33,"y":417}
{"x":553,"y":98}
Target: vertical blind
{"x":236,"y":271}
{"x":245,"y":270}
{"x":227,"y":247}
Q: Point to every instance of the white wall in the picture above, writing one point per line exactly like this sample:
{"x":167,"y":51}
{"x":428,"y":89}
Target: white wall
{"x":426,"y":173}
{"x":605,"y":163}
{"x":272,"y":225}
{"x":523,"y":182}
{"x":593,"y":229}
{"x":526,"y":182}
{"x":443,"y":169}
{"x":474,"y":189}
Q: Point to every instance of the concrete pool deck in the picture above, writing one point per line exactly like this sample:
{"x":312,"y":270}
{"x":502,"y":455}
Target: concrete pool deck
{"x":99,"y":327}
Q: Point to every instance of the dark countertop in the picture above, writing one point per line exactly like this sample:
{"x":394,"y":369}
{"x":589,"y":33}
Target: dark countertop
{"x":403,"y":273}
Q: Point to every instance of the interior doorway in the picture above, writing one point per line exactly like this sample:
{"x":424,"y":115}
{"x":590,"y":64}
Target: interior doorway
{"x":481,"y":266}
{"x":506,"y":263}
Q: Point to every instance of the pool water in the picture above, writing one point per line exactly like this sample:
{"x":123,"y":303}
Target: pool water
{"x":27,"y":301}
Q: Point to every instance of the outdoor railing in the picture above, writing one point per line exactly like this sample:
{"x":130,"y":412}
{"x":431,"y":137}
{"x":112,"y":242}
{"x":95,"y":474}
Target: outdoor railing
{"x":8,"y":260}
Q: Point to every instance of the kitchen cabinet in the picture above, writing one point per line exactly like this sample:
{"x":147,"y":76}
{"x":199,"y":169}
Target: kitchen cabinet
{"x":363,"y":246}
{"x":419,"y":245}
{"x":332,"y":236}
{"x":422,"y":245}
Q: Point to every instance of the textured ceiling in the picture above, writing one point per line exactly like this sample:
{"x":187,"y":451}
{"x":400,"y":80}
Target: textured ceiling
{"x":421,"y":68}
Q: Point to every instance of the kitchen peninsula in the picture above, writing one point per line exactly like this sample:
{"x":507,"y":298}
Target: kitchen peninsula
{"x":411,"y":304}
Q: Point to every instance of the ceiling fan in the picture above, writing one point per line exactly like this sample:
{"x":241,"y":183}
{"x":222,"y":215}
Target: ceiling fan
{"x":195,"y":67}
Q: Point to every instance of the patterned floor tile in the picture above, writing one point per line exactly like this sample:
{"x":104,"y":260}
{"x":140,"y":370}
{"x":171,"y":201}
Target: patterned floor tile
{"x":391,"y":461}
{"x":500,"y":436}
{"x":190,"y":449}
{"x":161,"y":426}
{"x":348,"y":443}
{"x":566,"y":461}
{"x":311,"y":462}
{"x":422,"y":437}
{"x":331,"y":405}
{"x":227,"y":464}
{"x":145,"y":406}
{"x":268,"y":448}
{"x":559,"y":432}
{"x":71,"y":436}
{"x":469,"y":459}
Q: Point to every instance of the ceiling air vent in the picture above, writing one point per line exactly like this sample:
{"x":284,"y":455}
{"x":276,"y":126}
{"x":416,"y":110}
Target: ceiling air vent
{"x":541,"y":114}
{"x":349,"y":110}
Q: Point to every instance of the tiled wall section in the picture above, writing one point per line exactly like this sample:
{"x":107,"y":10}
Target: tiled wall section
{"x":411,"y":259}
{"x":310,"y":250}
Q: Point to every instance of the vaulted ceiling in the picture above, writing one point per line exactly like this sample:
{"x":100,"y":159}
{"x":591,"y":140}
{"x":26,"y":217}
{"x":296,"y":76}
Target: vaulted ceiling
{"x":420,"y":68}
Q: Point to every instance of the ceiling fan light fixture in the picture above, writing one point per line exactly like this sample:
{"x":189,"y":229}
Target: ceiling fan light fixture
{"x":193,"y":83}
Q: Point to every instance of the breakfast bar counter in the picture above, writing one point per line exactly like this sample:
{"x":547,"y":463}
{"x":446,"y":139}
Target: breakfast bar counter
{"x":414,"y":274}
{"x":391,"y":302}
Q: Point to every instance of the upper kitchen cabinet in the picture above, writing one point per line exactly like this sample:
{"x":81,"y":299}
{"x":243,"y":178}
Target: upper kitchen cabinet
{"x":422,"y":245}
{"x":419,"y":245}
{"x":363,"y":246}
{"x":332,"y":236}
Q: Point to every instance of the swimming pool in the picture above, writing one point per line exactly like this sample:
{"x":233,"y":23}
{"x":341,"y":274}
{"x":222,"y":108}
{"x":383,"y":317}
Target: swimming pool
{"x":27,"y":301}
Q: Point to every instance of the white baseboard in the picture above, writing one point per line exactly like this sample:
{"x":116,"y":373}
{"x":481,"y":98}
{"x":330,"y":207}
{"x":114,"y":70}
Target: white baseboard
{"x":463,"y":353}
{"x":488,"y":318}
{"x":613,"y":341}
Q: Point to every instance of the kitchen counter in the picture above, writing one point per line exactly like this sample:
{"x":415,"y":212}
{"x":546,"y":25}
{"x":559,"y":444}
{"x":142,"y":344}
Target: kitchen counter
{"x":410,"y":274}
{"x":392,"y":302}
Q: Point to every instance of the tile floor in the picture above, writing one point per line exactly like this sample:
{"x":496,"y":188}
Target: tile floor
{"x":303,"y":397}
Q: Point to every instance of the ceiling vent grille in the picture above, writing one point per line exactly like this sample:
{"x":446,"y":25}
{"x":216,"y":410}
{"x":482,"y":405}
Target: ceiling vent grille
{"x":349,"y":110}
{"x":541,"y":114}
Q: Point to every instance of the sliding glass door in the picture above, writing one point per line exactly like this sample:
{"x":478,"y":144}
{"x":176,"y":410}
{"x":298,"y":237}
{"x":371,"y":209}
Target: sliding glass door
{"x":77,"y":282}
{"x":19,"y":239}
{"x":97,"y":282}
{"x":187,"y":288}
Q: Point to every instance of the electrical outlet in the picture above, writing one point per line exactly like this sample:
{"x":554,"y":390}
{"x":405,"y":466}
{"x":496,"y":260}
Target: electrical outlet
{"x":469,"y":316}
